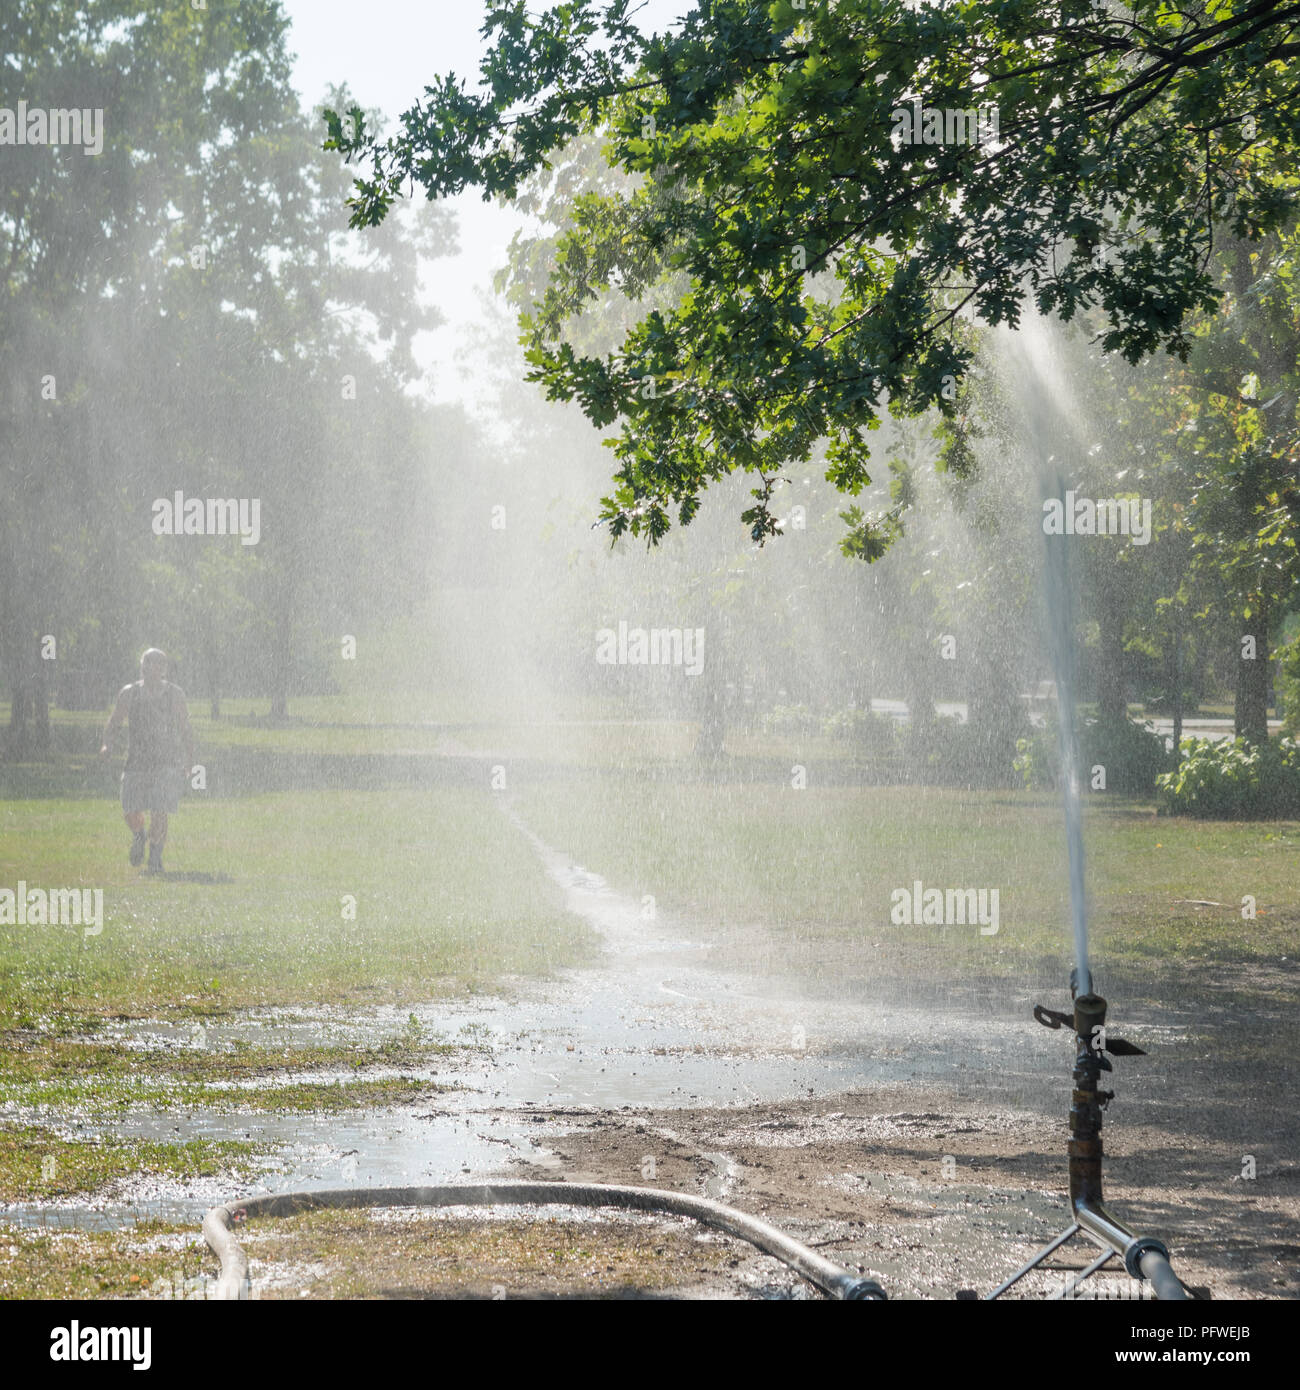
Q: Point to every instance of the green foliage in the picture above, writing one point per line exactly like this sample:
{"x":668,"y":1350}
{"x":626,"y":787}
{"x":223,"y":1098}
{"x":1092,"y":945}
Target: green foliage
{"x":791,"y":720}
{"x":825,"y":261}
{"x":1233,"y":780}
{"x":1288,"y":687}
{"x":199,"y":301}
{"x":1133,"y":755}
{"x":869,"y":537}
{"x":949,"y":752}
{"x":871,"y":735}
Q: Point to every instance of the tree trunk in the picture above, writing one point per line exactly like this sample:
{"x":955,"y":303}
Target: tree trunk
{"x":41,"y":704}
{"x":1177,"y":685}
{"x":281,"y":654}
{"x":13,"y":656}
{"x":711,"y":698}
{"x":1250,"y":711}
{"x":918,"y":687}
{"x":16,"y":740}
{"x":712,"y":736}
{"x":214,"y":679}
{"x":1112,"y":707}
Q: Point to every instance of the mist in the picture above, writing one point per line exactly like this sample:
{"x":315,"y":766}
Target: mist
{"x":378,"y":820}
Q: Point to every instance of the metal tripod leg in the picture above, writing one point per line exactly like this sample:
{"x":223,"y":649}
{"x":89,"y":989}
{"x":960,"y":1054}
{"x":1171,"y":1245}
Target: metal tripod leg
{"x":1034,"y":1263}
{"x":1087,"y":1274}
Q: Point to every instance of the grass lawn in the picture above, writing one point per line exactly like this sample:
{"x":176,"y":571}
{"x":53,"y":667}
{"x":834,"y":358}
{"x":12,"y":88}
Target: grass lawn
{"x":448,"y":898}
{"x":37,"y":1162}
{"x":583,"y":733}
{"x":355,"y":1254}
{"x":351,"y":1254}
{"x":447,"y":895}
{"x":347,"y":725}
{"x":151,"y":1259}
{"x":314,"y":726}
{"x":803,"y":879}
{"x":95,"y":1077}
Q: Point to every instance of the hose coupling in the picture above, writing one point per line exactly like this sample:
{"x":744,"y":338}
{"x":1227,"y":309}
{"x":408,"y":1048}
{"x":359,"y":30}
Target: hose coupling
{"x":862,"y":1290}
{"x":1143,"y":1245}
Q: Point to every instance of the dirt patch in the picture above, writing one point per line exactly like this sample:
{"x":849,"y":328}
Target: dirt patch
{"x":952,"y":1195}
{"x":423,"y":1254}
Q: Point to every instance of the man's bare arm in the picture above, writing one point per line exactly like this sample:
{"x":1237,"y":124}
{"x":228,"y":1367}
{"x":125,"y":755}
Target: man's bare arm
{"x":114,"y":720}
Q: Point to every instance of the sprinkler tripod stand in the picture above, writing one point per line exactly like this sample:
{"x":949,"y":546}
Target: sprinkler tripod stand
{"x":1145,"y":1258}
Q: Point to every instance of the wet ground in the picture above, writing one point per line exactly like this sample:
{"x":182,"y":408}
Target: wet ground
{"x":922,"y":1144}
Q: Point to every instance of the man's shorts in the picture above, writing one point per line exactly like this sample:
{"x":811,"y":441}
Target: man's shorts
{"x":156,"y":789}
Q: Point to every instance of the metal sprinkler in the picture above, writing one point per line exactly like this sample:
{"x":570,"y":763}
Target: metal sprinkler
{"x":1146,"y":1259}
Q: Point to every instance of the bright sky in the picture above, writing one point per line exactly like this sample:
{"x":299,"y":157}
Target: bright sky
{"x":387,"y":51}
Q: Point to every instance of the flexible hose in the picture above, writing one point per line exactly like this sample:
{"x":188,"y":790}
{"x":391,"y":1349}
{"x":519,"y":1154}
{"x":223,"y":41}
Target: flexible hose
{"x":218,"y":1225}
{"x":1167,"y":1285}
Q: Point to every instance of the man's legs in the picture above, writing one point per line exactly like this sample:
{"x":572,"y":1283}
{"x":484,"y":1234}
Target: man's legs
{"x":135,"y":824}
{"x":157,"y":793}
{"x":157,"y":838}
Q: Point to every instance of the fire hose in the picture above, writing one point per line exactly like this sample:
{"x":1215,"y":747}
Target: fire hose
{"x":833,"y":1279}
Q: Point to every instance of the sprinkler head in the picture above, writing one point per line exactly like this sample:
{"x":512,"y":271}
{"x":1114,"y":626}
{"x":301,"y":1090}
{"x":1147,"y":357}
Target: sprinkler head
{"x":1089,"y":1014}
{"x":1144,"y":1257}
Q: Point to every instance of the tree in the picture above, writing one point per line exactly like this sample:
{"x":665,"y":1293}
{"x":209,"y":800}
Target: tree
{"x":1246,"y":510}
{"x":305,"y":405}
{"x":79,"y":236}
{"x":1225,"y":430}
{"x":198,"y":301}
{"x":827,"y":254}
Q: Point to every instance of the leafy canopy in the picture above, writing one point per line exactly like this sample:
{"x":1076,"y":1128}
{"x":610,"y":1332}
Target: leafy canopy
{"x":826,"y":264}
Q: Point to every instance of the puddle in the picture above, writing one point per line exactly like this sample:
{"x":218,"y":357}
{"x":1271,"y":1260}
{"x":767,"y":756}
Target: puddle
{"x":653,"y":1025}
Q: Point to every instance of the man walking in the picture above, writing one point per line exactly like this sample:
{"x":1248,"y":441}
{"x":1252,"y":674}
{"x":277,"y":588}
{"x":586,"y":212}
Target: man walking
{"x":159,"y":754}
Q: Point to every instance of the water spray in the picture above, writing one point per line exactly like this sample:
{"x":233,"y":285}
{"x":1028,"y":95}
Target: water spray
{"x":1145,"y":1258}
{"x":1060,"y":609}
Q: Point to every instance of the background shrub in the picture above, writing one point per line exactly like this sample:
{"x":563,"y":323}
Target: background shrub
{"x":1233,"y":780}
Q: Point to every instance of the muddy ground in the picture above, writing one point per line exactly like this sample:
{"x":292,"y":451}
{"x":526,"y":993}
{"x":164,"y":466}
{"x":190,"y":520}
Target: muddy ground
{"x":952,"y":1195}
{"x":913,"y":1133}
